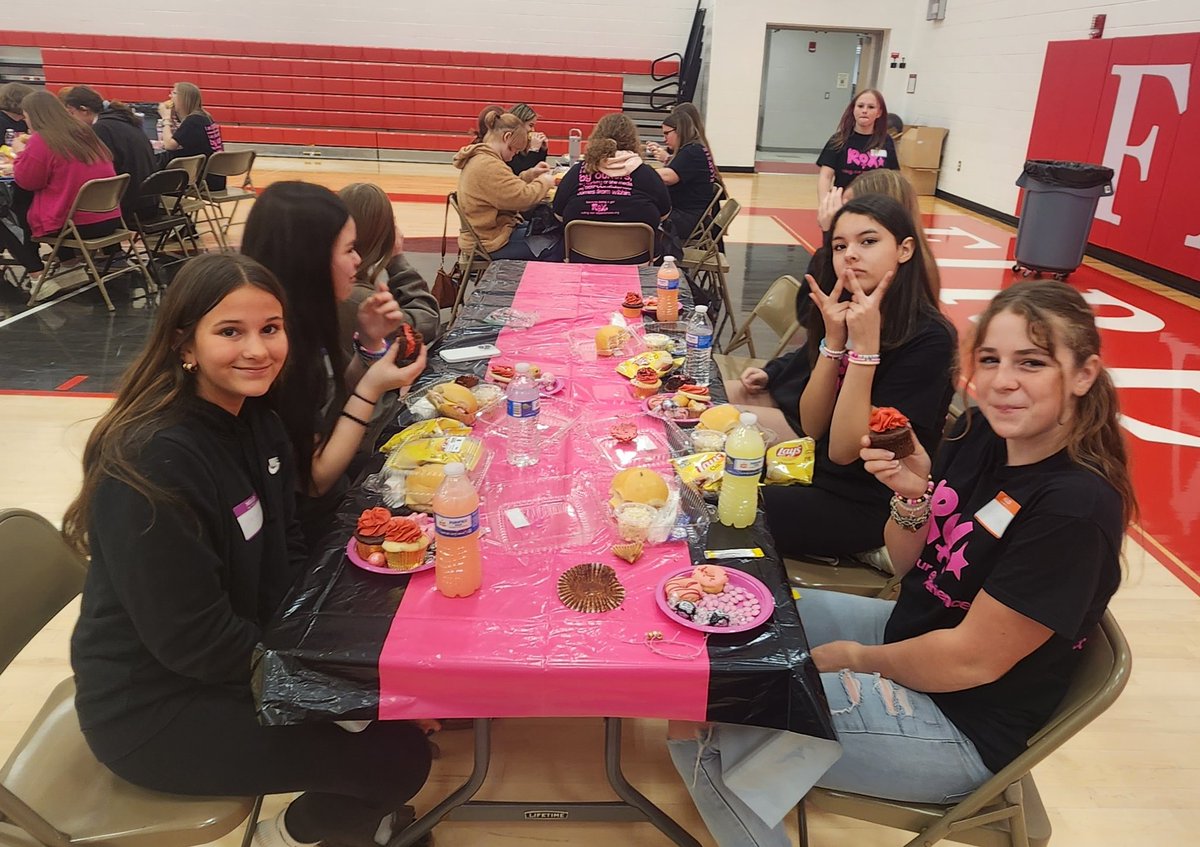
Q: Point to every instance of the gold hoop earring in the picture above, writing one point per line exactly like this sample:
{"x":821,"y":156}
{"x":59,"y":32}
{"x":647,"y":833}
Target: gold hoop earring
{"x":191,"y":367}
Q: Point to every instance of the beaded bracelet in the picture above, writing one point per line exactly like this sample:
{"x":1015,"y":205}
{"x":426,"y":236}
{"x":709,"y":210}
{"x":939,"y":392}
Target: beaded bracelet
{"x":368,"y":357}
{"x":863,"y":358}
{"x":836,"y":355}
{"x":911,"y":521}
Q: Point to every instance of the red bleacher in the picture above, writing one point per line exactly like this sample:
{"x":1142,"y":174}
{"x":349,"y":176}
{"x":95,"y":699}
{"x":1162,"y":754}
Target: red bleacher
{"x":335,"y":95}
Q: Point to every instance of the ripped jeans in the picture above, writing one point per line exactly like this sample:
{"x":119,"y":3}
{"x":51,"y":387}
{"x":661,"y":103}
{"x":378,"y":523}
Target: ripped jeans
{"x":896,"y":743}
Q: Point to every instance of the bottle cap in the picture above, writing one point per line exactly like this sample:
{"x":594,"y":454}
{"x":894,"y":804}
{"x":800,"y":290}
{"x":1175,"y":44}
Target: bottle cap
{"x":459,"y":469}
{"x":702,"y":310}
{"x":747,"y":419}
{"x":668,"y":259}
{"x":522,"y":367}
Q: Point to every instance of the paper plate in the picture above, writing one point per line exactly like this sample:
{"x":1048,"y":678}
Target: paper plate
{"x":358,"y":561}
{"x":652,"y":404}
{"x":737,"y":579}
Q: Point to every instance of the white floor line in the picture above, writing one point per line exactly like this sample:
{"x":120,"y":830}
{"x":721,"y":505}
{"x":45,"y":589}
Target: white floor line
{"x":46,"y":305}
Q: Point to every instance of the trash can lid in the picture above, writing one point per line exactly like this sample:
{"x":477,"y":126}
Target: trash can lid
{"x":1068,"y":174}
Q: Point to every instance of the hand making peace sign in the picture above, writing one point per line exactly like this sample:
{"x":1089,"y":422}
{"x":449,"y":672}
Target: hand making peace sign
{"x":863,"y":318}
{"x":833,"y":312}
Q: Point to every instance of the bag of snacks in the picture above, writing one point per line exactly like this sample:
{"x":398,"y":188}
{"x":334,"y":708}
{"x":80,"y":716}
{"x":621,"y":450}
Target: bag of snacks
{"x":437,"y":451}
{"x":702,"y":471}
{"x":791,"y":462}
{"x":435,"y":428}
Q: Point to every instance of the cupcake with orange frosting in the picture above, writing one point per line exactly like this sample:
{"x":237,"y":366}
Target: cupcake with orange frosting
{"x":631,"y":307}
{"x":404,"y":544}
{"x":889,"y":429}
{"x":371,"y":531}
{"x":646,"y":382}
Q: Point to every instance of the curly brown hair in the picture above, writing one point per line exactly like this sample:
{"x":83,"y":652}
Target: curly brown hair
{"x":613,"y":132}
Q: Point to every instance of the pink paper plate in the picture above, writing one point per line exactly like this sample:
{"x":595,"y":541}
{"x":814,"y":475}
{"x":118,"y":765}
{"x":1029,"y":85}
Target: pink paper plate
{"x":737,"y":579}
{"x":358,"y":561}
{"x":652,"y":404}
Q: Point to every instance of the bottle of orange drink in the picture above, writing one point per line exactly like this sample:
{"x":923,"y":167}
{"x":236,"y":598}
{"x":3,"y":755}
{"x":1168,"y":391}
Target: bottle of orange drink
{"x":456,"y":518}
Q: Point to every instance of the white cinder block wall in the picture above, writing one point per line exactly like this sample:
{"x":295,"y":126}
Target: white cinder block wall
{"x":632,"y":29}
{"x":979,"y":70}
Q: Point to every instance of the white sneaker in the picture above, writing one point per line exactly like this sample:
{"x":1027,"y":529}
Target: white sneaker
{"x":49,"y":289}
{"x":273,"y":833}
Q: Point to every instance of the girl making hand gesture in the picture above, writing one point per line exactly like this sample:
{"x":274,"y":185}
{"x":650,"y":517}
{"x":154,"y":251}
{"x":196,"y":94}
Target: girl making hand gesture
{"x":885,"y":343}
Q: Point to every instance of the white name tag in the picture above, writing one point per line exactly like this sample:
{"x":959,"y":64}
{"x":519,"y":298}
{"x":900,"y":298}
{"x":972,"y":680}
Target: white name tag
{"x":998,"y":514}
{"x":879,"y":154}
{"x":249,"y":516}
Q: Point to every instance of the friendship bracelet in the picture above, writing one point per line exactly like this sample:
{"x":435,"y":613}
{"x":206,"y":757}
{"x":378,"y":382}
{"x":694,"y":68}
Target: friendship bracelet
{"x":836,"y":355}
{"x":912,"y":521}
{"x":364,"y":399}
{"x":924,"y":498}
{"x":863,"y":358}
{"x":358,"y":421}
{"x":368,"y":357}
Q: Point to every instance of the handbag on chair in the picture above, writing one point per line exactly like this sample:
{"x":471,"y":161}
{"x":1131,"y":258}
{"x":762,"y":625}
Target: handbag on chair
{"x":445,"y":284}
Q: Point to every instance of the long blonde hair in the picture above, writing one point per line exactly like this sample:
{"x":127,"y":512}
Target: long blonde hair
{"x":895,"y":185}
{"x":65,"y":136}
{"x":613,"y":132}
{"x":1057,"y":313}
{"x":375,"y":222}
{"x":188,"y":101}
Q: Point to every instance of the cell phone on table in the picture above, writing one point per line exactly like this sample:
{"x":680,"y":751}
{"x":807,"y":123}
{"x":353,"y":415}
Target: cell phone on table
{"x":469,"y":354}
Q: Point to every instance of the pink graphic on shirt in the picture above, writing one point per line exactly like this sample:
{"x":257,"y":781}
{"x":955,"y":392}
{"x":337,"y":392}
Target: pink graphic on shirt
{"x":946,"y":530}
{"x":602,"y":183}
{"x":863,"y":160}
{"x":213,"y":130}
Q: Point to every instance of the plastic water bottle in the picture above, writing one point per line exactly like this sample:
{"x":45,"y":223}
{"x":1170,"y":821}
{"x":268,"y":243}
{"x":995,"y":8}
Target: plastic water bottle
{"x":158,"y":128}
{"x":524,"y":406}
{"x":9,"y":135}
{"x":458,"y":572}
{"x":668,"y":291}
{"x":699,"y":347}
{"x":744,"y":452}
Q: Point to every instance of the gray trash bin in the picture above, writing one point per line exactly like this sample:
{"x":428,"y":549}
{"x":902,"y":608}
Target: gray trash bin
{"x":1056,"y":218}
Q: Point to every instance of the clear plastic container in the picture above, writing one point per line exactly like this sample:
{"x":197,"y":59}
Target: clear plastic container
{"x":649,"y":447}
{"x":543,"y":514}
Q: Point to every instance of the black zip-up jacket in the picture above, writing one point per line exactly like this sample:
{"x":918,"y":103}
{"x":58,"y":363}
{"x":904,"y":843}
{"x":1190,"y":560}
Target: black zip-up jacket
{"x":133,"y":155}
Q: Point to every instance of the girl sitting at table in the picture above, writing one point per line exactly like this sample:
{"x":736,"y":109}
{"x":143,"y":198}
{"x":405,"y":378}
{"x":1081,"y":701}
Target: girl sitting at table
{"x":492,"y":198}
{"x":611,"y":183}
{"x":1009,"y":544}
{"x":688,"y":168}
{"x":304,"y":234}
{"x":188,"y":130}
{"x":883,"y":343}
{"x":188,"y":514}
{"x":773,"y":391}
{"x":536,"y":147}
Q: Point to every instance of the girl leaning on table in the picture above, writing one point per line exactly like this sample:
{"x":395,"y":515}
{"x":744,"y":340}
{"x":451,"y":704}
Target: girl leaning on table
{"x":1009,"y":544}
{"x":883,"y":342}
{"x":688,"y":168}
{"x":188,"y":513}
{"x":304,"y":234}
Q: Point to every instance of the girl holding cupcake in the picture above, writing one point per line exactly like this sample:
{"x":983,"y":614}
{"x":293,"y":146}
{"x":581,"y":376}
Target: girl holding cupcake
{"x":1009,"y":544}
{"x":188,"y":514}
{"x":883,"y":342}
{"x":305,"y":235}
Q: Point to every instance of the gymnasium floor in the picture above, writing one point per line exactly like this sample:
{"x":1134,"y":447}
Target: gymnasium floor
{"x":1130,"y":779}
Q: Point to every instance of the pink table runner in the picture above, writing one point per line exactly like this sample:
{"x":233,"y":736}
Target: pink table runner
{"x":512,"y":649}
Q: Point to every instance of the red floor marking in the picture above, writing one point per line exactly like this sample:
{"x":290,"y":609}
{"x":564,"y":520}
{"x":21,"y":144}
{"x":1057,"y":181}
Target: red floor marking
{"x":71,"y":383}
{"x":1152,"y":345}
{"x":29,"y":392}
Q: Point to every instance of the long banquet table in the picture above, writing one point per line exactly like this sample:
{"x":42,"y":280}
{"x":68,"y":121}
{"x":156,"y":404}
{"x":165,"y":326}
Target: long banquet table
{"x":350,"y":644}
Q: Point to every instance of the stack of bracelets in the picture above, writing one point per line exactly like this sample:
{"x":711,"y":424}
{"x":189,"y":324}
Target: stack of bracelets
{"x":368,"y":357}
{"x":850,"y":355}
{"x":912,"y":514}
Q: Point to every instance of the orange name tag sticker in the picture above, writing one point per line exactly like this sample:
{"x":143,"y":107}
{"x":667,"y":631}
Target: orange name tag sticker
{"x":998,"y":514}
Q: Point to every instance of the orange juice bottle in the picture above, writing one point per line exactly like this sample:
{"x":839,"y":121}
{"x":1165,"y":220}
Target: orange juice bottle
{"x":668,"y":290}
{"x":456,"y":518}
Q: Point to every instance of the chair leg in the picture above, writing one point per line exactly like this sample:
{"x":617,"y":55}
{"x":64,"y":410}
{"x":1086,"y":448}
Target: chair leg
{"x":252,"y":821}
{"x":52,"y":264}
{"x":97,"y":278}
{"x":802,"y":823}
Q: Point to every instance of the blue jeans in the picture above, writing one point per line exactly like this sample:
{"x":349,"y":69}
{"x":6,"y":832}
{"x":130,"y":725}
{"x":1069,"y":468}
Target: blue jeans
{"x":896,"y":743}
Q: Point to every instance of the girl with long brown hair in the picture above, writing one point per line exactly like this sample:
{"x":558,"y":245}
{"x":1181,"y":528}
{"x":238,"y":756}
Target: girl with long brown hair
{"x":860,"y":144}
{"x":120,"y":128}
{"x":188,"y":130}
{"x":611,"y":183}
{"x":59,"y":157}
{"x":688,"y":168}
{"x":1009,"y":545}
{"x":188,"y":514}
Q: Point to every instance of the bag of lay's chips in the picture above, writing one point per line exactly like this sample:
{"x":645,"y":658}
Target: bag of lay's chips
{"x":702,"y":471}
{"x":435,"y":428}
{"x":791,"y":462}
{"x":436,"y":451}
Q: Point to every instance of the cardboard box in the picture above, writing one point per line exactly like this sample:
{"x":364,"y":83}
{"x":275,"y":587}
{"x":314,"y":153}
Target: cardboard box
{"x":921,"y":147}
{"x":924,"y":180}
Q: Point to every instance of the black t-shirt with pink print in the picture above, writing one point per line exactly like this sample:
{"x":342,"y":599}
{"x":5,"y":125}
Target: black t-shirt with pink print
{"x":639,"y":197}
{"x":1044,"y":540}
{"x":856,"y":156}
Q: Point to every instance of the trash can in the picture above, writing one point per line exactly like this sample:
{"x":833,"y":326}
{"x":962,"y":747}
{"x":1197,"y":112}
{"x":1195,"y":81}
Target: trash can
{"x":1056,"y":219}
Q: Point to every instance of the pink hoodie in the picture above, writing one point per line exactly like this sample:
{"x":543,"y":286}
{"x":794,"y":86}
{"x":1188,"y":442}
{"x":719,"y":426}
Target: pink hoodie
{"x":54,"y":181}
{"x":622,"y":163}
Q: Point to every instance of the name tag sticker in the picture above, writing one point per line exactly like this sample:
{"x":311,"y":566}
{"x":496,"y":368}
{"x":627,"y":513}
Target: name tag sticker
{"x":249,"y":516}
{"x":879,"y":154}
{"x":998,"y":514}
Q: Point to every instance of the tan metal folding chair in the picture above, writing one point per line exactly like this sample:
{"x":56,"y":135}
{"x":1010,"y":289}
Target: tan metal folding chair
{"x":706,"y":265}
{"x":53,"y":792}
{"x":705,"y":221}
{"x":1006,"y":811}
{"x":472,"y":261}
{"x":229,"y":164}
{"x":610,"y":242}
{"x":94,"y":196}
{"x":194,"y":205}
{"x":777,"y":309}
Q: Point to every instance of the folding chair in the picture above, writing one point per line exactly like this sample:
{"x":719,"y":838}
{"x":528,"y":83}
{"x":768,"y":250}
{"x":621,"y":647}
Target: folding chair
{"x":472,"y":261}
{"x":777,"y":309}
{"x":96,"y":195}
{"x":610,"y":242}
{"x":1006,"y":811}
{"x":697,"y":232}
{"x":53,"y":792}
{"x":228,"y":164}
{"x":165,"y":220}
{"x":194,"y":205}
{"x":706,"y":265}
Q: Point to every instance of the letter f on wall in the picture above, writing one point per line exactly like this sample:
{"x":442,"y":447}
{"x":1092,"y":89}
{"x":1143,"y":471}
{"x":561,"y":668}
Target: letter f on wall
{"x":1118,"y":146}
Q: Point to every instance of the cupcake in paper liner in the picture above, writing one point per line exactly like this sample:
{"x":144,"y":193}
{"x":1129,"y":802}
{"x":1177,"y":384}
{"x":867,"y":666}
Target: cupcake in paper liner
{"x":590,"y":587}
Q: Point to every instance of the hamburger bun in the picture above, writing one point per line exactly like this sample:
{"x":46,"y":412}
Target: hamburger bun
{"x":610,"y":338}
{"x":721,"y":418}
{"x":422,"y":484}
{"x":638,"y":485}
{"x":454,"y":401}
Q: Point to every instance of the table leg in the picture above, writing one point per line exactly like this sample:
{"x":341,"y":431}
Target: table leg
{"x":633,"y":797}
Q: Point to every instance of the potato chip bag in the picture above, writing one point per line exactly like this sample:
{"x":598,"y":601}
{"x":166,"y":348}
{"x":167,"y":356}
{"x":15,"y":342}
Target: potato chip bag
{"x":703,"y":471}
{"x":436,"y":451}
{"x":435,"y":428}
{"x":791,"y":462}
